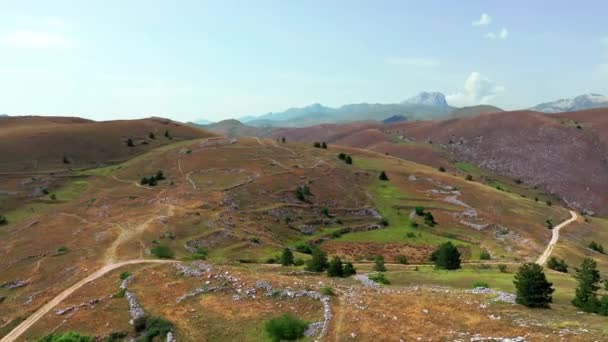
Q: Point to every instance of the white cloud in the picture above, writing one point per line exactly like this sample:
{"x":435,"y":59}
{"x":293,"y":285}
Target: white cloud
{"x":417,"y":62}
{"x":484,"y":20}
{"x":503,"y":34}
{"x":36,"y":39}
{"x":477,"y":90}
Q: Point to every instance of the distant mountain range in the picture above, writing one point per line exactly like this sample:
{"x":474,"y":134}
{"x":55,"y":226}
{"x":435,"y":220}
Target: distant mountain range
{"x":582,"y":102}
{"x":426,"y":105}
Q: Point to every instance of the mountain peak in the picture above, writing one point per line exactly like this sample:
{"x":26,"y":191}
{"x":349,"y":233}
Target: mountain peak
{"x":581,"y":102}
{"x":428,"y":99}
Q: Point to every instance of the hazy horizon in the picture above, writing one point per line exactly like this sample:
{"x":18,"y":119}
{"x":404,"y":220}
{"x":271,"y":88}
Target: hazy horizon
{"x":202,"y":60}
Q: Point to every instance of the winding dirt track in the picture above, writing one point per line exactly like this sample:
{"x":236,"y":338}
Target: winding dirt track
{"x":554,"y":237}
{"x":26,"y":324}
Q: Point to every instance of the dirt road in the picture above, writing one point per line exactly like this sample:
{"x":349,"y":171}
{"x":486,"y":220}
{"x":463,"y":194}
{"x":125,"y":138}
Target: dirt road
{"x":26,"y":324}
{"x":554,"y":237}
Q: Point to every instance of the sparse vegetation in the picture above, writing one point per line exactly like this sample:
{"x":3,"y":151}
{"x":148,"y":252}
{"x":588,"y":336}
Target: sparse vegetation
{"x":285,"y":328}
{"x":549,"y":224}
{"x":130,"y":142}
{"x":557,"y":264}
{"x":162,"y":252}
{"x":429,"y":220}
{"x":168,"y":135}
{"x":201,"y":253}
{"x":66,"y":337}
{"x":533,"y":288}
{"x":401,"y":259}
{"x":502,"y":268}
{"x":62,"y":250}
{"x":125,"y":275}
{"x":480,"y":284}
{"x":153,"y":180}
{"x":3,"y":220}
{"x":468,"y":177}
{"x":303,"y":193}
{"x":446,"y":257}
{"x":327,"y":291}
{"x":66,"y":160}
{"x":484,"y":255}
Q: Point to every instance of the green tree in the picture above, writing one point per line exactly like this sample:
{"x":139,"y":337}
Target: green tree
{"x":159,"y":175}
{"x":335,"y":268}
{"x":151,"y":135}
{"x":588,"y":278}
{"x":533,"y":289}
{"x":419,"y":211}
{"x":446,"y":256}
{"x":383,"y":176}
{"x":318,"y":262}
{"x":130,"y":142}
{"x":484,"y":255}
{"x":379,"y":264}
{"x":162,"y":252}
{"x":317,"y":144}
{"x":285,"y":328}
{"x":402,"y":259}
{"x":287,"y":257}
{"x":167,"y":135}
{"x":342,"y":156}
{"x":349,"y":269}
{"x":144,"y":180}
{"x":348,"y":160}
{"x":3,"y":220}
{"x":429,"y":220}
{"x":596,"y":247}
{"x":324,"y":145}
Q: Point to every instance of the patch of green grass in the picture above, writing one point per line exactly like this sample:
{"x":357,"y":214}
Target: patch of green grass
{"x":387,"y":200}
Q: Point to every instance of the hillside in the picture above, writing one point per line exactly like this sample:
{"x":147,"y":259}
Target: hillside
{"x":223,"y":213}
{"x":581,"y":102}
{"x":233,"y":128}
{"x":32,"y":143}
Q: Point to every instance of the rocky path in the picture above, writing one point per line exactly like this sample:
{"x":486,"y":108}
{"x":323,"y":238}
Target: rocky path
{"x":36,"y":316}
{"x":554,"y":238}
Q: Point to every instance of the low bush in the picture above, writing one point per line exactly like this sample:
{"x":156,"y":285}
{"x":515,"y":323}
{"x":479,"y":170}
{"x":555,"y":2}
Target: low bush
{"x":286,"y":327}
{"x":379,"y":278}
{"x":125,"y":275}
{"x":480,"y":284}
{"x":162,"y":252}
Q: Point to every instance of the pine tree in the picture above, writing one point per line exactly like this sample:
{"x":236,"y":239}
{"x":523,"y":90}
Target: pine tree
{"x":324,"y":145}
{"x":588,"y":278}
{"x":335,"y":268}
{"x":533,"y":289}
{"x":287,"y":257}
{"x":342,"y":156}
{"x":283,"y":139}
{"x":349,"y":269}
{"x":318,"y":262}
{"x":151,"y":135}
{"x":379,"y":264}
{"x":446,"y":256}
{"x":348,"y":160}
{"x":383,"y":176}
{"x":167,"y":135}
{"x":130,"y":142}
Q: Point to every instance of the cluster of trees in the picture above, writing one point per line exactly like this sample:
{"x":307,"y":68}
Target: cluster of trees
{"x":429,"y":220}
{"x":318,"y":262}
{"x":320,"y":144}
{"x":597,"y":247}
{"x":586,"y":297}
{"x":153,"y":180}
{"x":303,"y":192}
{"x":534,"y":290}
{"x":347,"y":158}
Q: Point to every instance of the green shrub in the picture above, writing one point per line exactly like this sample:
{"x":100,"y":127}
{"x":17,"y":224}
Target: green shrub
{"x":597,"y":247}
{"x":348,"y":160}
{"x":468,"y":177}
{"x":287,"y":257}
{"x":401,"y":259}
{"x":335,"y":268}
{"x":441,"y":169}
{"x":484,"y":255}
{"x":3,"y":220}
{"x":324,"y":145}
{"x":255,"y":240}
{"x":286,"y":327}
{"x":419,"y":211}
{"x":201,"y":254}
{"x":327,"y":291}
{"x":349,"y":270}
{"x":480,"y":284}
{"x":557,"y":264}
{"x":429,"y":220}
{"x":162,"y":252}
{"x":304,"y":248}
{"x":414,"y":224}
{"x":317,"y":144}
{"x":130,"y":142}
{"x":150,"y":327}
{"x":379,"y":264}
{"x":318,"y":262}
{"x":62,"y":250}
{"x":119,"y":294}
{"x":298,"y":262}
{"x":410,"y":234}
{"x":379,"y":278}
{"x":125,"y":275}
{"x":502,"y":268}
{"x":342,"y":156}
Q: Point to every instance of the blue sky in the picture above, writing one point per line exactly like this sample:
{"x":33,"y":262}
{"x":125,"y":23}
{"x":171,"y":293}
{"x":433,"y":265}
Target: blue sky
{"x":197,"y":59}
